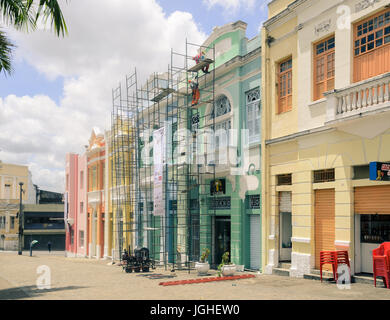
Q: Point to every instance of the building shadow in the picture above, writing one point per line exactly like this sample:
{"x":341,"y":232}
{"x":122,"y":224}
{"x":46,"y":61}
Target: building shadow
{"x":25,"y":292}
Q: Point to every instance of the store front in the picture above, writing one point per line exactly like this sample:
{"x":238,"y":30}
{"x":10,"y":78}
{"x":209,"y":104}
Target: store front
{"x":372,"y":223}
{"x":222,"y":237}
{"x":220,"y":208}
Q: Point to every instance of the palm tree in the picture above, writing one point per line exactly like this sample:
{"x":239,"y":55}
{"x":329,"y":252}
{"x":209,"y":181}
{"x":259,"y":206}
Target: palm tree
{"x":23,"y":15}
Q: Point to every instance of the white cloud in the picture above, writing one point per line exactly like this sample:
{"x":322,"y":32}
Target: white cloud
{"x":105,"y":42}
{"x":231,"y":5}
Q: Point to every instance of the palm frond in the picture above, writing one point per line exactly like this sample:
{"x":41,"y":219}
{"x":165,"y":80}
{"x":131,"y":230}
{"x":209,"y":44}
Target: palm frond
{"x":5,"y":54}
{"x":16,"y":13}
{"x":50,"y":9}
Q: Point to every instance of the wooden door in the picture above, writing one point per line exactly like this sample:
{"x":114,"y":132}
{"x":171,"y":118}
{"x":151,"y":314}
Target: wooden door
{"x":324,"y":214}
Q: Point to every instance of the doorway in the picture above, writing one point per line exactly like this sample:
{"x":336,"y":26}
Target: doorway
{"x":324,"y":219}
{"x":222,"y":238}
{"x":285,"y":226}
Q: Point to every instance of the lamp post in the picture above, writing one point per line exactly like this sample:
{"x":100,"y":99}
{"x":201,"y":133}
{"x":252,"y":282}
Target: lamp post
{"x":20,"y":220}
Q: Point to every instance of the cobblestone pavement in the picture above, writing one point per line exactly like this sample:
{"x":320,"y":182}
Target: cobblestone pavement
{"x":80,"y":278}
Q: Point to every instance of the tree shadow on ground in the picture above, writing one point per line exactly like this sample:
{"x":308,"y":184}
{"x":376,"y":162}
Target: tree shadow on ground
{"x":25,"y":292}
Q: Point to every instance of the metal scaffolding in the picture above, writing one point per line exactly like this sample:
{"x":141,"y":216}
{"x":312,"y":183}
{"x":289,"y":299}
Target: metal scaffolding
{"x":160,"y":195}
{"x":123,"y":160}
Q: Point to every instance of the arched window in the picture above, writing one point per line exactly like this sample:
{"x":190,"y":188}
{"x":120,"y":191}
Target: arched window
{"x":221,"y":107}
{"x":253,"y":114}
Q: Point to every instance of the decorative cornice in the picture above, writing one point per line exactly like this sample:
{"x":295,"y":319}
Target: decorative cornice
{"x":219,"y":31}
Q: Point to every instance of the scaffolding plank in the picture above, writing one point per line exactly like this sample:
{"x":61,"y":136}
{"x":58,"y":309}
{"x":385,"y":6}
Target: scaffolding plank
{"x":200,"y":65}
{"x":162,"y":94}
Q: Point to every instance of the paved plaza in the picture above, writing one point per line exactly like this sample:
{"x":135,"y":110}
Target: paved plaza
{"x":82,"y":279}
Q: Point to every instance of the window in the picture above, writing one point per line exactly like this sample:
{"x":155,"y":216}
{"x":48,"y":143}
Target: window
{"x":81,"y":179}
{"x":361,"y":172}
{"x":93,"y":178}
{"x":253,"y":115}
{"x":285,"y":86}
{"x":253,"y":201}
{"x":71,"y":236}
{"x":283,"y":179}
{"x":195,"y":122}
{"x":12,"y":222}
{"x":221,"y":142}
{"x":372,"y":46}
{"x":81,"y":238}
{"x":103,"y":175}
{"x":173,"y":148}
{"x":324,"y":175}
{"x":221,"y":107}
{"x":81,"y":207}
{"x":222,"y":132}
{"x":324,"y":57}
{"x":7,"y":191}
{"x":172,"y":106}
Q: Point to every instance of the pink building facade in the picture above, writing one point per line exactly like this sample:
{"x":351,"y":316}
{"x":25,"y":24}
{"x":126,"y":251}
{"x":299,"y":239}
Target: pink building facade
{"x":75,"y":207}
{"x":82,"y":206}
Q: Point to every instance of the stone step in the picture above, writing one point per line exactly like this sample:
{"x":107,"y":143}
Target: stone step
{"x":366,"y":279}
{"x":312,"y":276}
{"x":281,"y":272}
{"x":285,"y":265}
{"x":354,"y":279}
{"x":324,"y":272}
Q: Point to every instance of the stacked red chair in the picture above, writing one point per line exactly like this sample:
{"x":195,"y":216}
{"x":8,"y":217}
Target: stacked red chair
{"x":335,"y":258}
{"x":342,"y":258}
{"x":327,"y":257}
{"x":381,"y":263}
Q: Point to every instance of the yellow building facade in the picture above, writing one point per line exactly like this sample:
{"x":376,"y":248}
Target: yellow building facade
{"x":10,"y":177}
{"x":121,"y":186}
{"x":326,"y":116}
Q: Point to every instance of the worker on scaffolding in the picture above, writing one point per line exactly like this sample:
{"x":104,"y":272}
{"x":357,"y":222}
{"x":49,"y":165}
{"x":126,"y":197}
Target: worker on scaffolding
{"x":200,"y":57}
{"x":195,"y":91}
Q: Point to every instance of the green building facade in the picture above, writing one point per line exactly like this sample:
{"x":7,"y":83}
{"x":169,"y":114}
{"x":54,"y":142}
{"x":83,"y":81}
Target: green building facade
{"x":231,"y":219}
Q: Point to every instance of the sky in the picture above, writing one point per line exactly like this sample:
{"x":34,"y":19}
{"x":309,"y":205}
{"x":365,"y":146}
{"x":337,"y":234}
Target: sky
{"x":60,"y":88}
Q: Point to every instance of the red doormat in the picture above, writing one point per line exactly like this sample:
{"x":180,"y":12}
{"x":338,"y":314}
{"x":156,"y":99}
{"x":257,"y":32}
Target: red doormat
{"x":173,"y":283}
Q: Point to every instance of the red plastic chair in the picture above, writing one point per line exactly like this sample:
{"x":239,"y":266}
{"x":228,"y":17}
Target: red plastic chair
{"x":342,"y":258}
{"x":381,"y":263}
{"x":386,"y":247}
{"x":335,"y":258}
{"x":327,"y":257}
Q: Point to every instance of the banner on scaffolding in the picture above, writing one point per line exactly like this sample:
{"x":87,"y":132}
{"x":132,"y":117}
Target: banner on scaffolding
{"x":159,"y":162}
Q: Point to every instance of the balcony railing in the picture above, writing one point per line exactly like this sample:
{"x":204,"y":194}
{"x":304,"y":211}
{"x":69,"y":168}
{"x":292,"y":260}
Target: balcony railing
{"x":364,"y":96}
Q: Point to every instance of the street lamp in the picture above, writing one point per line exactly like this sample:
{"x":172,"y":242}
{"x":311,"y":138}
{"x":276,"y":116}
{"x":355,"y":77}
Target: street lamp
{"x":20,"y":220}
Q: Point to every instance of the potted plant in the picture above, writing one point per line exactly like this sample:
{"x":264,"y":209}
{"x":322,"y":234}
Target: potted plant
{"x":226,"y":267}
{"x":203,"y":266}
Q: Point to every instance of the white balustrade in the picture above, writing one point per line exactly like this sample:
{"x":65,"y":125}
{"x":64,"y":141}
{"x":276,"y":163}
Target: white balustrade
{"x":359,"y":97}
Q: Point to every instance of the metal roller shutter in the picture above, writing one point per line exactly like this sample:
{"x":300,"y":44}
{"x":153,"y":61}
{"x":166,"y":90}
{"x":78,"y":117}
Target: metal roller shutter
{"x":285,"y":201}
{"x":372,"y":200}
{"x":324,"y":223}
{"x":255,"y":241}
